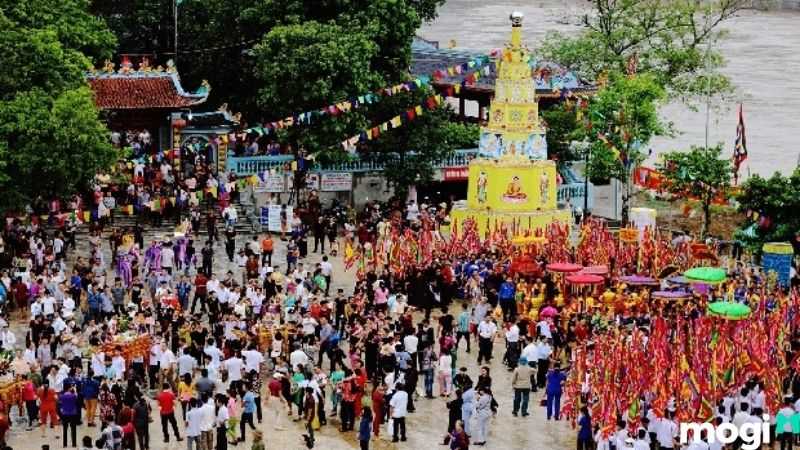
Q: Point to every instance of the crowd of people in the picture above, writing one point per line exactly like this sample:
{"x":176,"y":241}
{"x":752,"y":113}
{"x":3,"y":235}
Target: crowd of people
{"x":121,"y":331}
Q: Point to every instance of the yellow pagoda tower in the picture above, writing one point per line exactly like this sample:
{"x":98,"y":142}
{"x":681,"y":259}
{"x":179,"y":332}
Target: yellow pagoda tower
{"x":512,"y":182}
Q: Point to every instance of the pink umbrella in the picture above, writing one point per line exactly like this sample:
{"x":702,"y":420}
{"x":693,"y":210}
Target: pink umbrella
{"x":548,"y":311}
{"x":564,"y":267}
{"x":584,"y":278}
{"x":595,"y":270}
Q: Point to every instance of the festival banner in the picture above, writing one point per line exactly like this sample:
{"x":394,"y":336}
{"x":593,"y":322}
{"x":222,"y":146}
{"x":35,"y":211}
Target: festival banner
{"x":271,"y":182}
{"x":336,"y":182}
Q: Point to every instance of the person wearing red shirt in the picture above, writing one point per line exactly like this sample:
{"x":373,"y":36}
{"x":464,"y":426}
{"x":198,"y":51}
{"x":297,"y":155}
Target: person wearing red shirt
{"x":166,"y":405}
{"x":200,"y":291}
{"x":29,"y":397}
{"x":47,"y":406}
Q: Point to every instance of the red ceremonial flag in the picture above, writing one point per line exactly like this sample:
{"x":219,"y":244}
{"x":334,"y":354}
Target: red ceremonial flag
{"x":740,"y":146}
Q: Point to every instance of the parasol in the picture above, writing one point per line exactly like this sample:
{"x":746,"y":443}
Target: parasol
{"x":525,"y":265}
{"x":678,"y":280}
{"x":671,"y":295}
{"x":595,"y":270}
{"x":705,"y":275}
{"x":548,"y":311}
{"x":638,"y":280}
{"x":564,"y":267}
{"x":584,"y":278}
{"x":729,"y":310}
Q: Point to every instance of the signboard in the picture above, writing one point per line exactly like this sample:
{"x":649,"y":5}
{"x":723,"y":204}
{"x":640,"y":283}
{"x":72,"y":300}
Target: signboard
{"x":456,"y":173}
{"x":312,"y":181}
{"x":271,"y":217}
{"x":336,"y":182}
{"x":271,"y":182}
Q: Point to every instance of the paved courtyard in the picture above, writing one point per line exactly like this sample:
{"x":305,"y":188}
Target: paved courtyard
{"x":426,"y":426}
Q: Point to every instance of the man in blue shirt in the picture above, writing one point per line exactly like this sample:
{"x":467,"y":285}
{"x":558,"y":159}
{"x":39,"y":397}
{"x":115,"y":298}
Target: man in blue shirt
{"x":506,"y":298}
{"x":555,"y":380}
{"x":248,"y":408}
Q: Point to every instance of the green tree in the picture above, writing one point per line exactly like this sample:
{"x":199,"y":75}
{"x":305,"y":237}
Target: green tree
{"x":410,"y":151}
{"x":771,"y":205}
{"x":699,"y":173}
{"x":562,"y":124}
{"x":51,"y":139}
{"x":304,"y":67}
{"x":621,"y":120}
{"x":673,"y":40}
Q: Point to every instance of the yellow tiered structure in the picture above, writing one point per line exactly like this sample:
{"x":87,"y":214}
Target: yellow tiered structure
{"x":512,"y":182}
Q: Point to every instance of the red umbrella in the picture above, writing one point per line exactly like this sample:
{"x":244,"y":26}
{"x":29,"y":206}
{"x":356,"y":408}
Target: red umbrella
{"x":584,"y":278}
{"x":564,"y":267}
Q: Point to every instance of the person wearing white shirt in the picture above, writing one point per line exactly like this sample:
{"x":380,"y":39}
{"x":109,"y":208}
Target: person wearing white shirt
{"x":398,"y":411}
{"x":213,"y":352}
{"x":252,"y":359}
{"x":9,"y":339}
{"x":486,"y":333}
{"x":530,"y":352}
{"x":742,"y":416}
{"x":445,"y":374}
{"x":48,"y":306}
{"x":118,"y":364}
{"x":68,"y":307}
{"x":543,"y":327}
{"x":234,"y":366}
{"x":641,"y":442}
{"x":221,"y":423}
{"x":666,"y":431}
{"x":194,"y":419}
{"x":98,"y":363}
{"x":167,"y":258}
{"x":309,"y":325}
{"x":207,"y":416}
{"x":411,"y":344}
{"x":298,"y":358}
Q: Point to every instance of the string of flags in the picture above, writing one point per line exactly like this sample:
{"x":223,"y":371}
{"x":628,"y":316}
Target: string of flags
{"x":432,"y":102}
{"x":479,"y":66}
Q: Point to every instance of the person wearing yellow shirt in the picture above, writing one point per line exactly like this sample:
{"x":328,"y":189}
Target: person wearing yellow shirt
{"x":186,"y":392}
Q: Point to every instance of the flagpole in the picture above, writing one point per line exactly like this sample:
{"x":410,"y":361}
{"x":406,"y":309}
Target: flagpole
{"x":708,"y":91}
{"x":175,"y":27}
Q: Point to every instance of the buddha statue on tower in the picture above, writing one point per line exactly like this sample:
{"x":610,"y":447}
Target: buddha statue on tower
{"x":512,"y":180}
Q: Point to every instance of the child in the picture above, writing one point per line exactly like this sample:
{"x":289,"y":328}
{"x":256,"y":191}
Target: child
{"x":364,"y":428}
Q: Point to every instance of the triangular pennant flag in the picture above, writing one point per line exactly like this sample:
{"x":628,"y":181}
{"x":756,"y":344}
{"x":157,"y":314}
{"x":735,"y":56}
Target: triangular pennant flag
{"x":458,"y":69}
{"x":450,"y":71}
{"x":457,"y":88}
{"x":418,"y":110}
{"x":471,"y":64}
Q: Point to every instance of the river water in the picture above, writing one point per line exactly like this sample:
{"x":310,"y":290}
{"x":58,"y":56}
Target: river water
{"x":762,"y":51}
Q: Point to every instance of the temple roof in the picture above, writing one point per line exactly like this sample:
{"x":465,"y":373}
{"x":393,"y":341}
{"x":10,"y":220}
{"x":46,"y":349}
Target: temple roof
{"x":550,"y":77}
{"x":145,"y":88}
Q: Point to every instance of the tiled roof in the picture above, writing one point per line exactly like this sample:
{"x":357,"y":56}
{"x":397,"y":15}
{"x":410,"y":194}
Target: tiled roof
{"x":141,"y":90}
{"x":425,"y":59}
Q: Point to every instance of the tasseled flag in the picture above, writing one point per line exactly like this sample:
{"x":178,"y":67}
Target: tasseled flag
{"x":457,"y":88}
{"x":396,"y":121}
{"x":450,"y":71}
{"x":418,"y":110}
{"x":431,"y":102}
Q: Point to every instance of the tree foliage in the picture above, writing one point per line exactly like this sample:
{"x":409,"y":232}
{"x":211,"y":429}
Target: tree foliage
{"x":562,"y":123}
{"x":771,"y":206}
{"x":51,"y":139}
{"x":671,"y":39}
{"x":698,"y":173}
{"x":304,"y":67}
{"x":620,"y":121}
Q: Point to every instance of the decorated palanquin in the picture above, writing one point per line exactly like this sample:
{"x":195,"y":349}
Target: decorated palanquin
{"x":131,"y":346}
{"x":511,"y":183}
